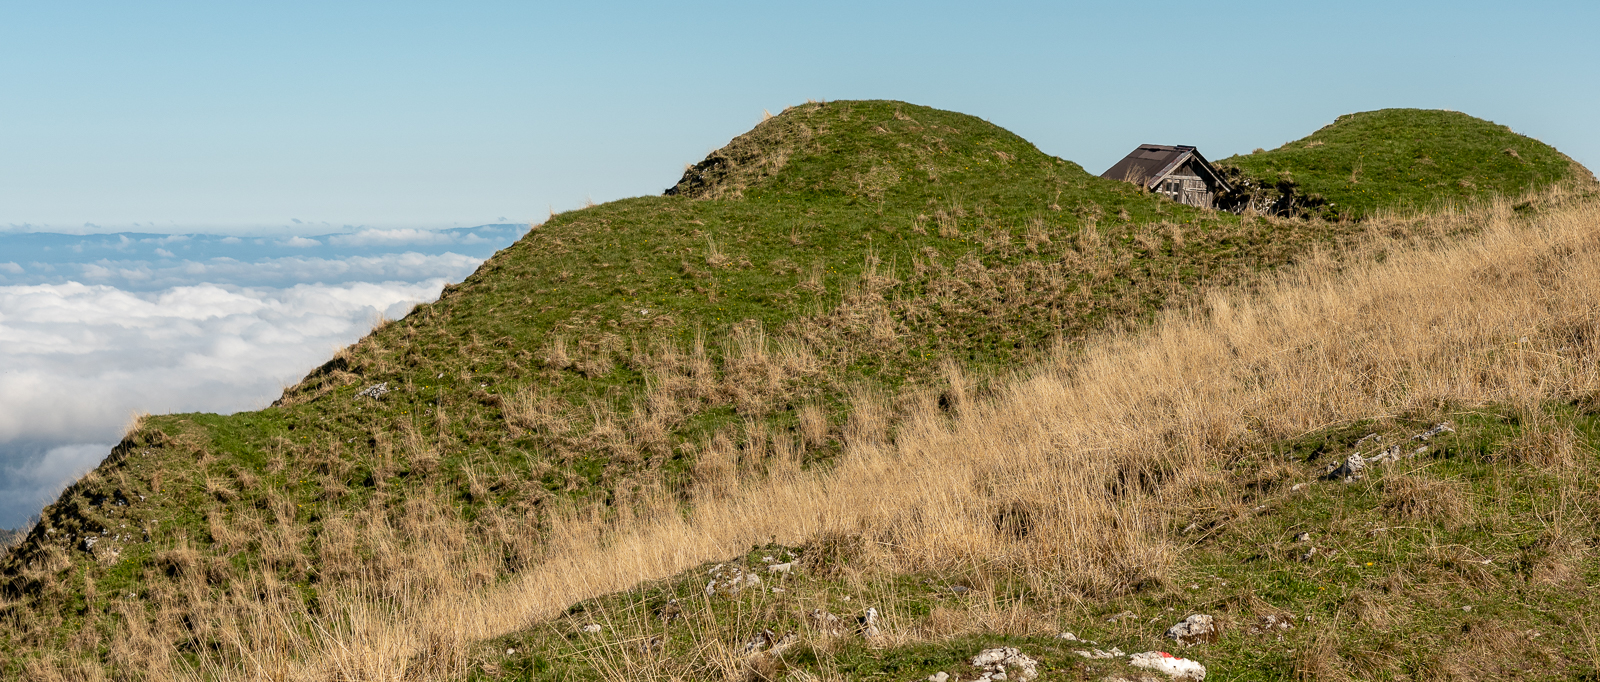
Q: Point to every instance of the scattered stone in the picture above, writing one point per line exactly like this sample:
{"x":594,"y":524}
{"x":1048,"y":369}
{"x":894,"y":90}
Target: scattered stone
{"x":1005,"y":663}
{"x":1348,"y":470}
{"x":1271,"y":623}
{"x":1466,"y":608}
{"x":1097,"y":653}
{"x":1302,"y":537}
{"x":824,"y":622}
{"x":1364,"y":439}
{"x":670,"y":611}
{"x":654,"y":645}
{"x":868,"y":623}
{"x":780,"y":568}
{"x":778,"y":647}
{"x":1297,"y":487}
{"x":1122,"y":616}
{"x":374,"y":391}
{"x":1386,"y":455}
{"x":939,"y":677}
{"x":510,"y":652}
{"x":760,"y":641}
{"x":1195,"y":629}
{"x":729,"y":580}
{"x":1310,"y":553}
{"x":592,"y":628}
{"x":1441,"y":427}
{"x":1175,"y":667}
{"x":1068,"y":636}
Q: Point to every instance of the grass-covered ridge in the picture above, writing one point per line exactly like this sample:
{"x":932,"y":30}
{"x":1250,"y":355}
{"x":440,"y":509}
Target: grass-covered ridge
{"x":836,"y":280}
{"x":1408,"y":159}
{"x":1176,"y":472}
{"x":1468,"y":560}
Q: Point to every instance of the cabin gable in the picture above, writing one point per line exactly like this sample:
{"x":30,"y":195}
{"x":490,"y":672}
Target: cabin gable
{"x":1179,"y":173}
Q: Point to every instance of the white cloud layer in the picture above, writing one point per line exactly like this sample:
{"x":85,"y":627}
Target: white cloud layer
{"x":33,"y":477}
{"x":78,"y":360}
{"x":372,"y":237}
{"x":287,"y":270}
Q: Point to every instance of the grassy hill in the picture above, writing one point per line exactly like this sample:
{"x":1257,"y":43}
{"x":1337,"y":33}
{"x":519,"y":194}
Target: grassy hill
{"x":1408,"y":159}
{"x":825,"y":284}
{"x":1201,"y":467}
{"x":1438,"y":566}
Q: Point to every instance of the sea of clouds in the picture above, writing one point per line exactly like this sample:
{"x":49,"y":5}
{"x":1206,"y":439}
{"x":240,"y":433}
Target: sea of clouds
{"x":95,"y":329}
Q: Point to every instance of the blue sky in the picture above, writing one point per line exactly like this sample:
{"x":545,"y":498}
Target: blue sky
{"x":229,"y":117}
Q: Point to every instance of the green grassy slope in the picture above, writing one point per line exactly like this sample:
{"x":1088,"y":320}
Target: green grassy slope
{"x":1470,"y":561}
{"x":837,"y":247}
{"x":1408,"y":158}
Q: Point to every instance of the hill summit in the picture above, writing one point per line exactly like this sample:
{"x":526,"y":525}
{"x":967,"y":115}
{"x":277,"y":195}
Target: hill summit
{"x":1408,"y":159}
{"x":864,"y":149}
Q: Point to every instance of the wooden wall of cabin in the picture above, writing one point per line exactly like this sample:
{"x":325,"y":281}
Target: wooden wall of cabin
{"x":1185,"y":185}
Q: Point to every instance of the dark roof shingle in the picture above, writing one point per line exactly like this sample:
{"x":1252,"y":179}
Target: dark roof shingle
{"x":1148,"y":164}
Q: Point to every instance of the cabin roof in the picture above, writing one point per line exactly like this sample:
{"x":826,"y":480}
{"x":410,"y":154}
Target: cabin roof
{"x":1151,"y":163}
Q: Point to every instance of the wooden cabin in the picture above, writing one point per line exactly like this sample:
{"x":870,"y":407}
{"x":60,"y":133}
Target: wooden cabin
{"x":1179,"y":172}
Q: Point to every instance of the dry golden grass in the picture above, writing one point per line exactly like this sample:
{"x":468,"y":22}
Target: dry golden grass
{"x":1546,"y":448}
{"x":1066,"y":478}
{"x":1421,"y":498}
